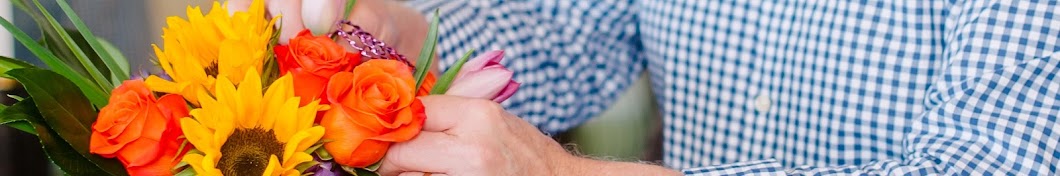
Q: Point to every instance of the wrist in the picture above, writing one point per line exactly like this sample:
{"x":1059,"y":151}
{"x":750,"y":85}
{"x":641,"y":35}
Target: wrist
{"x":574,"y":165}
{"x":567,"y":164}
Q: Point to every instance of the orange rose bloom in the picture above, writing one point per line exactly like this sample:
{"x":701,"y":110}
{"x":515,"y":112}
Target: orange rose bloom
{"x":427,"y":85}
{"x":312,"y":60}
{"x":371,"y":108}
{"x":140,"y":130}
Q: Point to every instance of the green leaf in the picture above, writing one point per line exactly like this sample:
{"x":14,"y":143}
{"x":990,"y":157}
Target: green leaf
{"x":64,"y":54}
{"x":18,"y":116}
{"x":82,"y":58}
{"x":426,"y":58}
{"x":314,"y":147}
{"x":323,"y":154}
{"x":186,"y":172}
{"x":271,"y":70}
{"x":95,"y":93}
{"x":63,"y":107}
{"x":449,"y":76}
{"x":70,"y":161}
{"x":8,"y":64}
{"x":117,"y":56}
{"x":20,"y":5}
{"x":63,"y":154}
{"x":16,"y":97}
{"x":50,"y":39}
{"x":180,"y":166}
{"x":68,"y":114}
{"x":358,"y":171}
{"x":101,"y":50}
{"x":349,"y":8}
{"x":93,"y":57}
{"x":375,"y":166}
{"x":305,"y":166}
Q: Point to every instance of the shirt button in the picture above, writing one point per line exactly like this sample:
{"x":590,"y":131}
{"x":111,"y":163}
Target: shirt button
{"x":762,"y":103}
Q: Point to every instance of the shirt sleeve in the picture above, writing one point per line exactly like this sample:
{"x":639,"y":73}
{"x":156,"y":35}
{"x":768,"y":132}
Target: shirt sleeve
{"x":573,"y":57}
{"x":994,"y":110}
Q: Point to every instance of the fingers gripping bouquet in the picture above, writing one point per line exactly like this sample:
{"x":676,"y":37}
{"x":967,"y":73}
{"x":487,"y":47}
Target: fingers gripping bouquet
{"x":231,"y":99}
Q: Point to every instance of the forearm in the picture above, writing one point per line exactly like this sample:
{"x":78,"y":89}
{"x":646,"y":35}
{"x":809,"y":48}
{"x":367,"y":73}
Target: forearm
{"x":585,"y":166}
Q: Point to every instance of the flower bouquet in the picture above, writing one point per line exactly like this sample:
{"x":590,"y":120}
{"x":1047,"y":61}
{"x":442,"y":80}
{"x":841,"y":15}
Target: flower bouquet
{"x":231,"y":100}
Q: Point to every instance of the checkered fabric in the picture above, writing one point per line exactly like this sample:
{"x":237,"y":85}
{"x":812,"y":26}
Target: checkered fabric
{"x":875,"y":87}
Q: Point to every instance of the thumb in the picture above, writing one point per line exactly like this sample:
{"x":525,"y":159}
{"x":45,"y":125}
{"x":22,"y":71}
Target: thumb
{"x":234,"y":6}
{"x":447,"y":112}
{"x":290,"y":21}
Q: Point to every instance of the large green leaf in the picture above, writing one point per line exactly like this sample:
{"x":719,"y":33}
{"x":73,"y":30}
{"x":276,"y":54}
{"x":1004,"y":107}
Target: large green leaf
{"x":80,"y":54}
{"x":8,"y":64}
{"x":94,"y":92}
{"x":63,"y":107}
{"x":59,"y":151}
{"x":68,"y":114}
{"x":104,"y":54}
{"x":449,"y":76}
{"x":19,"y":115}
{"x":424,"y":62}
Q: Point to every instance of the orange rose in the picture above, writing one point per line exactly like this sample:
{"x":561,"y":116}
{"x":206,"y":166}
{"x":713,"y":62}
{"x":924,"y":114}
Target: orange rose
{"x":427,"y":85}
{"x":312,"y":60}
{"x":141,"y":131}
{"x":371,"y":108}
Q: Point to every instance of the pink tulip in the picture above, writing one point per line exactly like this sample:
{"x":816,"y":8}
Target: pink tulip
{"x":484,"y":77}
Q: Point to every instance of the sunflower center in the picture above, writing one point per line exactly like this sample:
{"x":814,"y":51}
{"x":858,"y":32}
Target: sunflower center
{"x":247,"y":152}
{"x":212,"y":70}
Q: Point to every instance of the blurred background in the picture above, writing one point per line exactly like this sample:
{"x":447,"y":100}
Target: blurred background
{"x":628,"y":131}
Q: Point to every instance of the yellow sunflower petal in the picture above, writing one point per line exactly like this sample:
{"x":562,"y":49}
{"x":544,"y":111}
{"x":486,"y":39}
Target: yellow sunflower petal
{"x":307,"y":114}
{"x":302,"y":141}
{"x":209,"y":117}
{"x":161,"y":85}
{"x":195,"y":161}
{"x":163,"y":60}
{"x":273,"y":167}
{"x":294,"y":160}
{"x":199,"y":136}
{"x":291,"y":172}
{"x":250,"y":93}
{"x":280,"y":89}
{"x":286,"y":119}
{"x":209,"y":163}
{"x":225,"y":127}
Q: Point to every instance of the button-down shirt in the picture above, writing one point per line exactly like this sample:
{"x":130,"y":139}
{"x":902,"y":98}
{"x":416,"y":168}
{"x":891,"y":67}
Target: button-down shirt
{"x":895,"y":87}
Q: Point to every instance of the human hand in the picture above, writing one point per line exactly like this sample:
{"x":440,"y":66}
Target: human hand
{"x":464,"y":136}
{"x":389,"y":21}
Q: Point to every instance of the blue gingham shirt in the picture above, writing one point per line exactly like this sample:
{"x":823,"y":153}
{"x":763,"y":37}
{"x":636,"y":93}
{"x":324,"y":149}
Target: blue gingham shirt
{"x":876,"y":87}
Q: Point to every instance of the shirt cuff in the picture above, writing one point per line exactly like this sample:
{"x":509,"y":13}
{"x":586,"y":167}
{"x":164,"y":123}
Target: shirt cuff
{"x":760,"y":167}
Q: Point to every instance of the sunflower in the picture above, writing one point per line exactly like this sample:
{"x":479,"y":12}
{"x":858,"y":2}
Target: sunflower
{"x":245,"y":132}
{"x":205,"y":47}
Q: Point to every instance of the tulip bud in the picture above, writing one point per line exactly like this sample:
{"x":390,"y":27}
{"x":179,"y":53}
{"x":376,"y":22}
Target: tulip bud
{"x":320,"y":16}
{"x":484,"y":77}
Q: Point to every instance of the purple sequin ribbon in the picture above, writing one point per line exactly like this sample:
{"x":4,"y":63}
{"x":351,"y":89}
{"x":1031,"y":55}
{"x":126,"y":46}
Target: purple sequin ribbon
{"x":369,"y":46}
